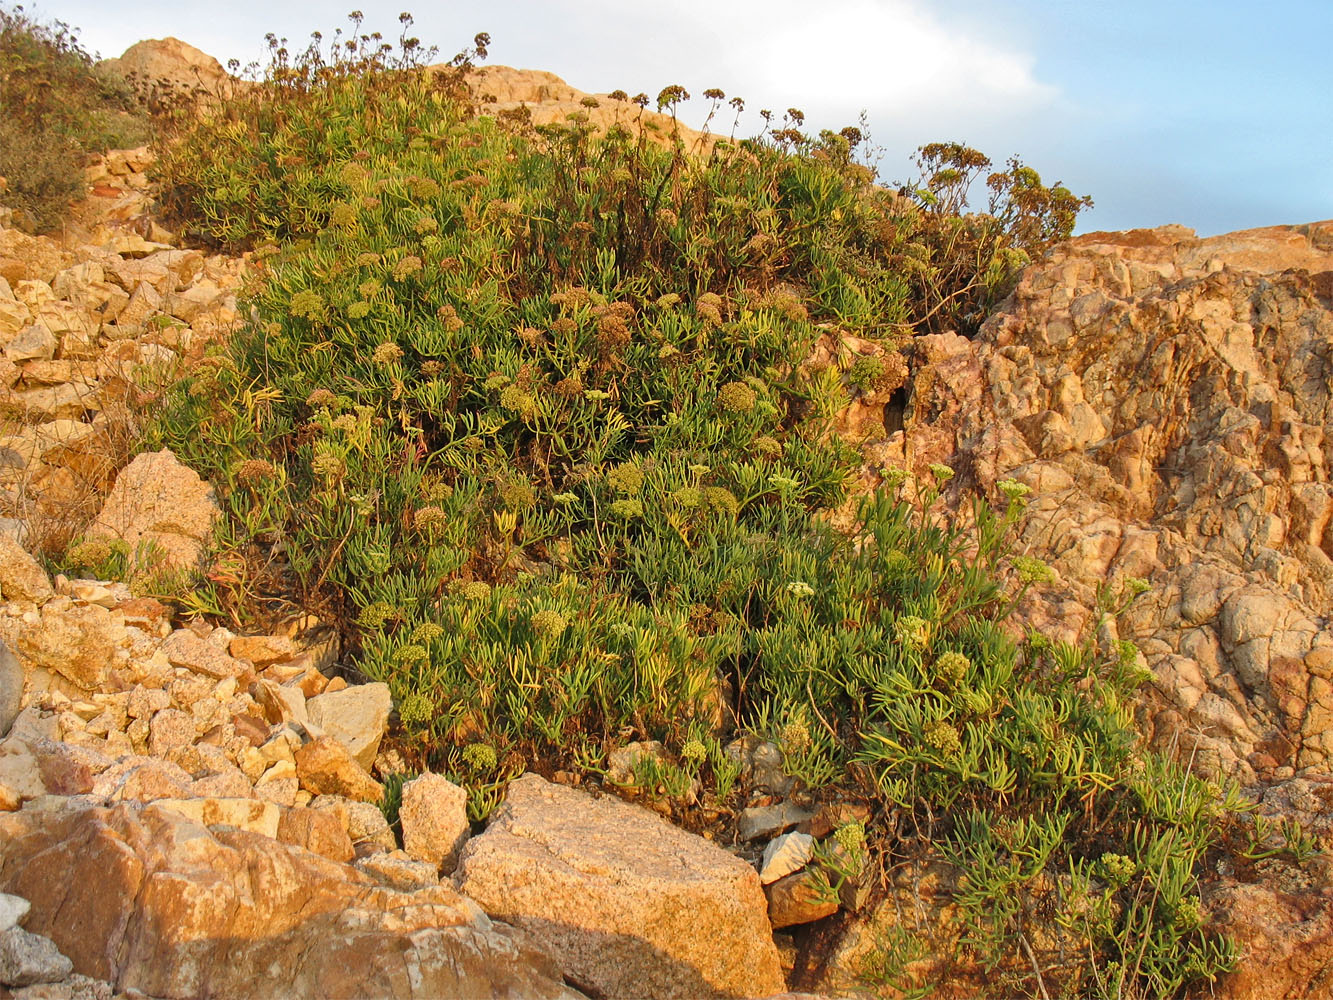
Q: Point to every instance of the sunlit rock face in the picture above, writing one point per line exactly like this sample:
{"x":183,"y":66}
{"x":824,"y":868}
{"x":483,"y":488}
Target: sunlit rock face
{"x":1167,"y":399}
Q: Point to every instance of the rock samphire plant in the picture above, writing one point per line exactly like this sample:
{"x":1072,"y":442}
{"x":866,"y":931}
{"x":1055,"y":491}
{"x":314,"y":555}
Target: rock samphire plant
{"x":531,"y":412}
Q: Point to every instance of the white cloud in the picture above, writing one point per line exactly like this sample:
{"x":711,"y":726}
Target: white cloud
{"x":895,"y":56}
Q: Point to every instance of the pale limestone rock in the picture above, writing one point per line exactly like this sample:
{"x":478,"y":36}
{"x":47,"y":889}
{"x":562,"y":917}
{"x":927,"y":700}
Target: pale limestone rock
{"x":356,"y":716}
{"x":434,"y":818}
{"x":20,"y":775}
{"x":21,"y":578}
{"x":317,"y":830}
{"x":629,"y":904}
{"x":185,"y":649}
{"x":158,"y":501}
{"x":799,"y":898}
{"x":243,"y":814}
{"x":11,"y":688}
{"x":12,"y":910}
{"x":32,"y":343}
{"x":262,"y":650}
{"x":79,"y":643}
{"x":169,"y":729}
{"x":398,"y":871}
{"x":784,"y":855}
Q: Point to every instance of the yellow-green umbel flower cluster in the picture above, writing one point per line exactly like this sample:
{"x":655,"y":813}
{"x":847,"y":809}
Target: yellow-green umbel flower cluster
{"x":427,"y":632}
{"x":416,"y":709}
{"x":386,"y":353}
{"x":1032,"y":570}
{"x":413,"y":653}
{"x":374,"y":616}
{"x":480,"y":757}
{"x":627,"y":510}
{"x":1117,"y":868}
{"x":912,"y":631}
{"x":549,"y":624}
{"x":944,"y":738}
{"x":795,"y":736}
{"x":952,"y":668}
{"x":693,"y":752}
{"x":736,"y":397}
{"x":625,"y":479}
{"x":307,"y":304}
{"x":516,"y":400}
{"x":475,"y":590}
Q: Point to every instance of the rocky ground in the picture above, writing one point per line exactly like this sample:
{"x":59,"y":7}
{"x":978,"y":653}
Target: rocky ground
{"x":189,"y":812}
{"x":1167,"y":399}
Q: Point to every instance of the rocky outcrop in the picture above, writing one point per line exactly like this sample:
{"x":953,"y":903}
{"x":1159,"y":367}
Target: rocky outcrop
{"x":145,"y":899}
{"x":165,"y":71}
{"x":629,"y":904}
{"x":1167,"y":399}
{"x":1285,"y":934}
{"x":545,"y":99}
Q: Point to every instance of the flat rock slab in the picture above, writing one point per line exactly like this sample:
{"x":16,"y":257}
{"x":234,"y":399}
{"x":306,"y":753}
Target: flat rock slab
{"x":145,"y":899}
{"x":630,"y":905}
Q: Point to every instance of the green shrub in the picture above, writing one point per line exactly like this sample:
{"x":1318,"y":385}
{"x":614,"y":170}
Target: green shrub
{"x":530,"y":414}
{"x":55,"y":108}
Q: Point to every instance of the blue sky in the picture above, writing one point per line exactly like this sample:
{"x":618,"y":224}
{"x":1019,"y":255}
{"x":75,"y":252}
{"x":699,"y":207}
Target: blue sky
{"x":1217,"y":115}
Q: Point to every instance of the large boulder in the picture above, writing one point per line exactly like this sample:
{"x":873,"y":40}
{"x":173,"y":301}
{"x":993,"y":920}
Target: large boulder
{"x":148,"y":900}
{"x":158,"y":502}
{"x":630,"y":905}
{"x":166,"y":69}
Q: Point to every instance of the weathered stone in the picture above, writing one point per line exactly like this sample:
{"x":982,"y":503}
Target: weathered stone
{"x":66,"y":769}
{"x":11,"y":688}
{"x":142,"y":779}
{"x":326,"y":768}
{"x":396,"y":870}
{"x":185,"y":649}
{"x":434,"y":818}
{"x":21,"y":578}
{"x":174,"y":909}
{"x":356,"y":717}
{"x":800,"y":898}
{"x":316,"y":830}
{"x":630,"y":905}
{"x":168,"y":729}
{"x":784,"y":855}
{"x":159,"y":502}
{"x":33,"y":343}
{"x":20,"y":775}
{"x":27,"y":958}
{"x":243,"y":814}
{"x":281,"y":703}
{"x":79,"y":643}
{"x":12,"y":910}
{"x":764,"y":821}
{"x":262,"y":650}
{"x":1286,"y":938}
